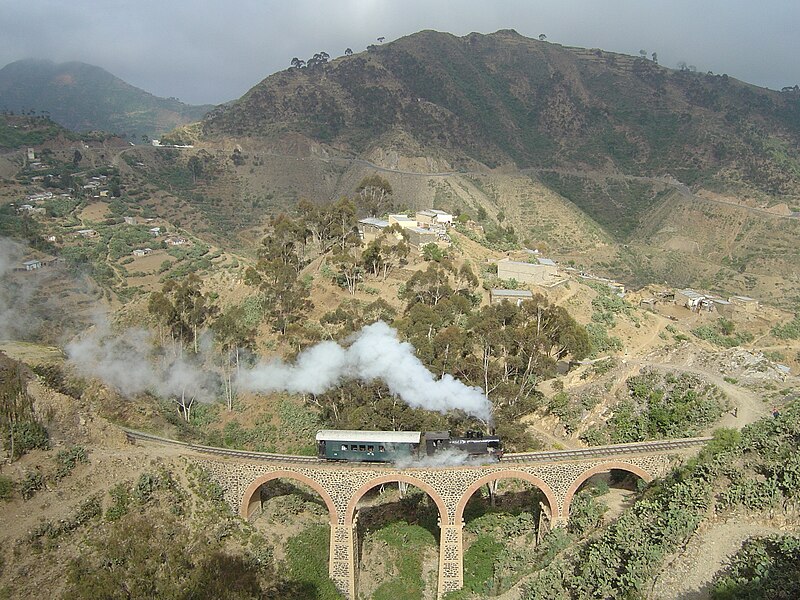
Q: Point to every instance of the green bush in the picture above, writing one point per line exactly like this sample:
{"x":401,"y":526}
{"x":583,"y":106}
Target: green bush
{"x":30,"y":484}
{"x":763,"y":568}
{"x":6,"y":487}
{"x":29,"y":435}
{"x":67,"y":460}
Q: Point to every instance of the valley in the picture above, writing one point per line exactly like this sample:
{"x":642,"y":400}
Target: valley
{"x":220,"y":289}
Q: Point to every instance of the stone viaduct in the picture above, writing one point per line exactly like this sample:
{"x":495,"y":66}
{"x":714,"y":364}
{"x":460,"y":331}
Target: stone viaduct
{"x":558,"y":474}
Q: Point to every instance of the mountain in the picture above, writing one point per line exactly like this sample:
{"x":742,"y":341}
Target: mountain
{"x":503,"y":99}
{"x":84,"y":97}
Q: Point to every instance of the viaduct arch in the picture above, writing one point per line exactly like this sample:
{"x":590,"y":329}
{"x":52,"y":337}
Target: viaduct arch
{"x":245,"y":507}
{"x":602,"y":468}
{"x":558,"y":474}
{"x":341,"y":486}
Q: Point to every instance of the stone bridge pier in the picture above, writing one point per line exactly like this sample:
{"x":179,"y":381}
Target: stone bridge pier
{"x":341,"y":486}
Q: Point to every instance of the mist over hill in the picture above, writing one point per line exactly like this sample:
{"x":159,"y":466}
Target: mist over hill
{"x":84,"y":97}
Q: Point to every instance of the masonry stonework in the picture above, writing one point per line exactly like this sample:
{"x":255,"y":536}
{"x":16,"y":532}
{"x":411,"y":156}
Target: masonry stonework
{"x":342,"y":486}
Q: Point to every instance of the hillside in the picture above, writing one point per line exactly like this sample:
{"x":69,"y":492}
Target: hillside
{"x":503,"y":99}
{"x":84,"y":97}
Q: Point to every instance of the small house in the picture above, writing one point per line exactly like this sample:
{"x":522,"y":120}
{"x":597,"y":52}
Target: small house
{"x":87,"y":233}
{"x":32,"y":265}
{"x":176,"y":241}
{"x":129,"y":220}
{"x":692,"y":300}
{"x":723,"y":307}
{"x":142,"y":251}
{"x":370,"y":229}
{"x":517,"y":297}
{"x":155,"y":231}
{"x":419,"y":237}
{"x":537,"y":273}
{"x":434,"y":218}
{"x":404,"y":221}
{"x":744,"y":303}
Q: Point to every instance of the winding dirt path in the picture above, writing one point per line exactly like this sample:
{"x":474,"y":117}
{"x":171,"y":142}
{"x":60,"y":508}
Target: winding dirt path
{"x":688,"y":575}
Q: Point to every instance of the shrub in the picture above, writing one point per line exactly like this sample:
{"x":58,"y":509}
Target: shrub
{"x":30,"y":484}
{"x":6,"y":487}
{"x":67,"y":460}
{"x":29,"y":435}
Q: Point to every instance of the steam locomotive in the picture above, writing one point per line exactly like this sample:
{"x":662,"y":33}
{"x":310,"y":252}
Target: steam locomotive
{"x":394,"y":446}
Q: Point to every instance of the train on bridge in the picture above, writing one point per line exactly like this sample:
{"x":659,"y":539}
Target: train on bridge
{"x":399,"y":446}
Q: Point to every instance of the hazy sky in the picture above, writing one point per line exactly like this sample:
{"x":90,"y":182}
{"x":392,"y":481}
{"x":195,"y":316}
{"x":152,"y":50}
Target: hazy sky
{"x":215,"y":50}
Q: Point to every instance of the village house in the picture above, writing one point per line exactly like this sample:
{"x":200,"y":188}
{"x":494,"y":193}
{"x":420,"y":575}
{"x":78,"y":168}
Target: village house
{"x":129,"y":220}
{"x":432,"y":218}
{"x":723,"y":307}
{"x":142,"y":251}
{"x":692,"y":300}
{"x":31,"y":265}
{"x":544,"y":273}
{"x":87,"y":233}
{"x":517,"y":297}
{"x":155,"y":231}
{"x":39,"y":197}
{"x":371,"y":228}
{"x":404,"y":221}
{"x":419,"y":237}
{"x":744,"y":303}
{"x":176,"y":241}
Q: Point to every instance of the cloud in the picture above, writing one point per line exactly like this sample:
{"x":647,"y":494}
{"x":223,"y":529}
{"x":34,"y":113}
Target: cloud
{"x":214,"y":51}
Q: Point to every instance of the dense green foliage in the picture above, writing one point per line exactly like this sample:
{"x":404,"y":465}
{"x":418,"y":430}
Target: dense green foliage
{"x":307,"y":560}
{"x":756,"y":469}
{"x":722,"y":334}
{"x":20,"y":430}
{"x":788,"y":331}
{"x":22,"y":131}
{"x":763,"y":568}
{"x":659,"y":406}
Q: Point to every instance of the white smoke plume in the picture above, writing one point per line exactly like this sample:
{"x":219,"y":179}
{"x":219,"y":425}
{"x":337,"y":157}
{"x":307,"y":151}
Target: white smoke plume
{"x":375,"y":353}
{"x":130,"y":362}
{"x":449,"y":457}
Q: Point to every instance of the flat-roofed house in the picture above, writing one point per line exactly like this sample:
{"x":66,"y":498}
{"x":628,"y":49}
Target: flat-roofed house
{"x":691,"y":299}
{"x":32,"y":265}
{"x":371,"y":228}
{"x":744,"y":303}
{"x":536,"y":273}
{"x":419,"y":237}
{"x":433,"y":217}
{"x":514,"y":296}
{"x":404,"y":221}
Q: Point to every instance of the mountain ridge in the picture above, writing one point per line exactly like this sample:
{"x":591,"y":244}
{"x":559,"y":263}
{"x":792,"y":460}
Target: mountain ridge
{"x":84,"y":97}
{"x":503,"y":99}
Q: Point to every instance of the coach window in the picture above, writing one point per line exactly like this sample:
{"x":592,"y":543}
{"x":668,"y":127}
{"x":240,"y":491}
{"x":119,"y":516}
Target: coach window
{"x":381,"y":449}
{"x":344,"y":446}
{"x":362,"y":448}
{"x":370,"y":448}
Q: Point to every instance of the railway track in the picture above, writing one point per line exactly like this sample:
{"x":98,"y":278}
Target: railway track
{"x":615,"y":450}
{"x":134,"y":436}
{"x":606,"y":451}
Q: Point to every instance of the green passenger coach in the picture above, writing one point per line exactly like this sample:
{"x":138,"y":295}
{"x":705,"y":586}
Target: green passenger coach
{"x":367,"y":446}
